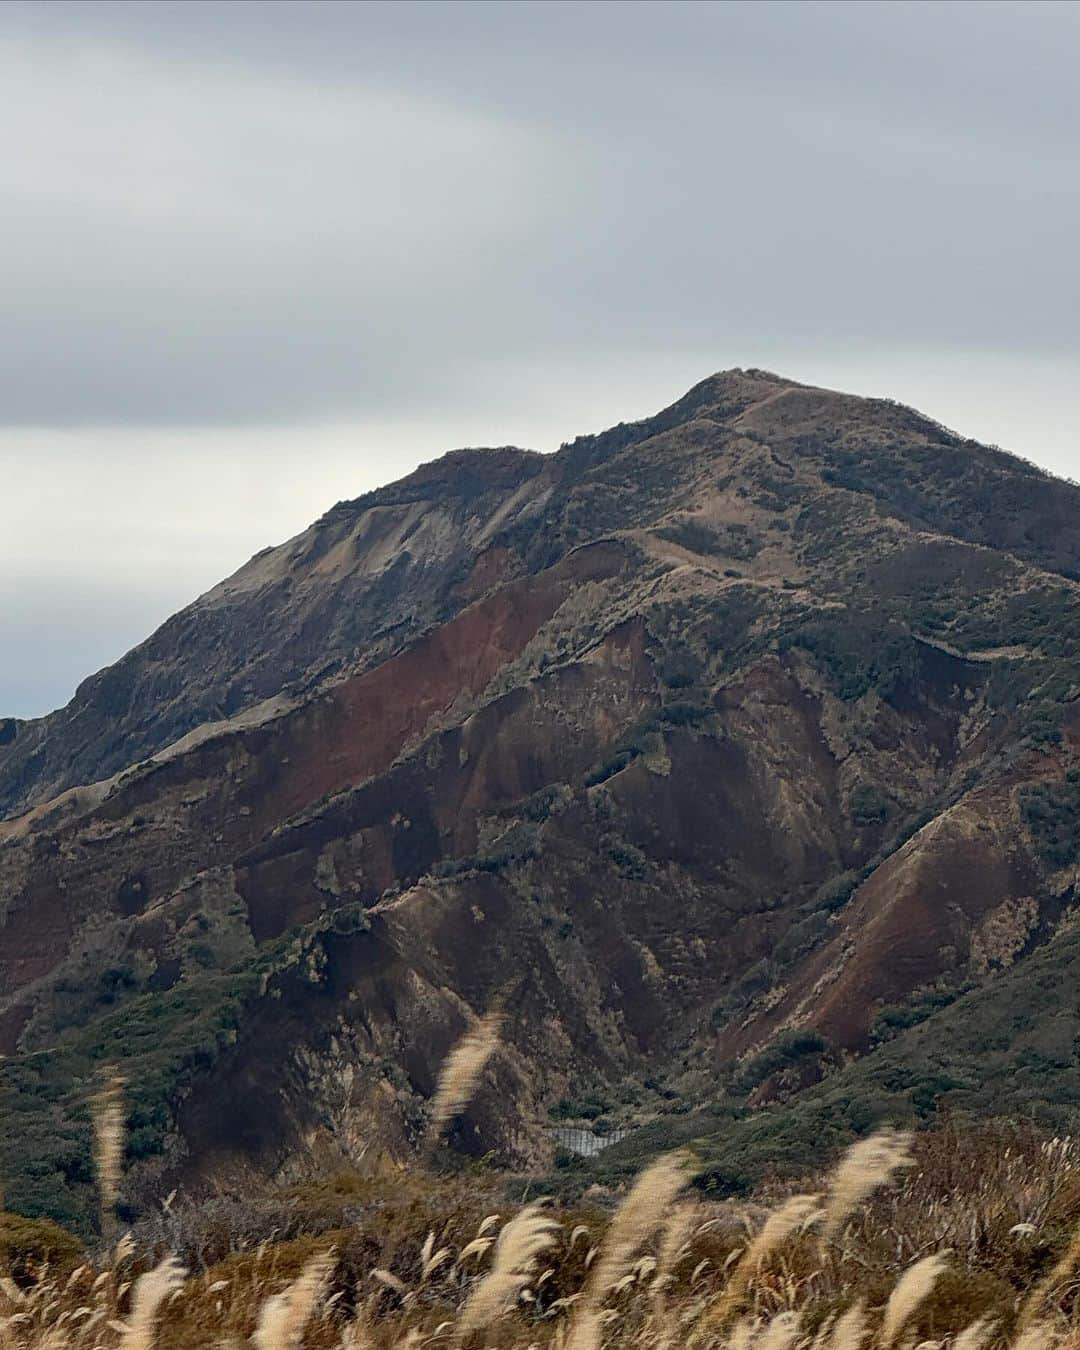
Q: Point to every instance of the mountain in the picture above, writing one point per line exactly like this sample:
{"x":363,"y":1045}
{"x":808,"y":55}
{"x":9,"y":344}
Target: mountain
{"x":734,"y":753}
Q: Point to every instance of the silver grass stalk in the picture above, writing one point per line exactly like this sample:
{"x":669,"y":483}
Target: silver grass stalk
{"x":636,"y":1219}
{"x":149,"y":1293}
{"x":780,"y":1333}
{"x":1036,"y":1336}
{"x":975,"y":1335}
{"x":677,"y":1232}
{"x":356,"y":1335}
{"x":586,"y":1325}
{"x":674,"y":1245}
{"x":864,"y":1167}
{"x":850,"y":1329}
{"x":911,"y":1290}
{"x":107,"y":1115}
{"x":283,"y":1317}
{"x":792,"y":1216}
{"x":461,"y":1072}
{"x":519,"y":1244}
{"x":1061,"y":1271}
{"x":744,"y":1333}
{"x":823,"y":1336}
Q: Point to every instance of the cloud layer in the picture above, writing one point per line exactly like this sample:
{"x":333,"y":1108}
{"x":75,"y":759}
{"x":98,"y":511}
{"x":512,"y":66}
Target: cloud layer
{"x":306,"y":245}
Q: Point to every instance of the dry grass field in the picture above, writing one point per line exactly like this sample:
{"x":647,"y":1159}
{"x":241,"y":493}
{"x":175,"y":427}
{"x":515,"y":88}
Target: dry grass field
{"x":961,"y":1237}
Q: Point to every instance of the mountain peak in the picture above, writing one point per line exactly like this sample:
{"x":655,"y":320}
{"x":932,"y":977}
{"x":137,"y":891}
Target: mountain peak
{"x":373,"y":571}
{"x":752,"y":718}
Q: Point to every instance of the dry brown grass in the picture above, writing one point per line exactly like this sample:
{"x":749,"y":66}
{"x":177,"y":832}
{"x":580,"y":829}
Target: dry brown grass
{"x":975,"y":1248}
{"x":107,"y":1115}
{"x":461,"y":1072}
{"x":867,"y":1165}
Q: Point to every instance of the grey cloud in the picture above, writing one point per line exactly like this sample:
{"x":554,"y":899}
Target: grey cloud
{"x":245,"y":211}
{"x":255,"y":257}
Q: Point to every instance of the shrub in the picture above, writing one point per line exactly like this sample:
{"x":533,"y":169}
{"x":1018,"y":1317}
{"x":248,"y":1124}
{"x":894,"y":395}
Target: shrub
{"x":27,"y":1246}
{"x":790,"y":1047}
{"x":584,"y":1108}
{"x":610,"y":767}
{"x":1051,"y":812}
{"x":684,"y":714}
{"x":869,"y":805}
{"x":720,"y":1181}
{"x":858,"y":653}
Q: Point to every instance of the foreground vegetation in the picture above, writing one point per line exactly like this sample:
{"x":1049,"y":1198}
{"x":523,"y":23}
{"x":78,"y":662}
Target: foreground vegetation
{"x":959,"y":1237}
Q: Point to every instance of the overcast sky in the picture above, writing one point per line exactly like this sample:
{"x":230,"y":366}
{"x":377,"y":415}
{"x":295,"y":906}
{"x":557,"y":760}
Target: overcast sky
{"x":255,"y":258}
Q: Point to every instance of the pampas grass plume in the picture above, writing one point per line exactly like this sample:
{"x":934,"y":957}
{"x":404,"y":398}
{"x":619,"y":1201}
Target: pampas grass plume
{"x":461,"y":1072}
{"x":912,"y":1288}
{"x":780,"y":1333}
{"x":1061,"y":1271}
{"x":1036,"y":1336}
{"x":793,"y":1215}
{"x":107,"y":1115}
{"x":519,"y":1244}
{"x":975,"y":1335}
{"x":850,"y":1329}
{"x":282,"y":1319}
{"x":865,"y":1166}
{"x":149,"y":1293}
{"x":637,"y":1218}
{"x":677,"y":1232}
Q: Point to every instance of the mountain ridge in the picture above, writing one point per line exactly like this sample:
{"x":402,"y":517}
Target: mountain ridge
{"x":735,"y":732}
{"x":445,"y":476}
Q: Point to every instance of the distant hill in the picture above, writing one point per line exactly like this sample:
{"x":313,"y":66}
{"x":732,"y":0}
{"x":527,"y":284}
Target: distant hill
{"x":735,"y":753}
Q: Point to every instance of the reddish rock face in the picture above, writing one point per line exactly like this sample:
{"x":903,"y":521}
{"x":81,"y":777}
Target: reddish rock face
{"x":750,"y":721}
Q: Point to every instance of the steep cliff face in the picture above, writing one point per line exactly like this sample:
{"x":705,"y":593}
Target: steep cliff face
{"x":348,"y":592}
{"x":722,"y":750}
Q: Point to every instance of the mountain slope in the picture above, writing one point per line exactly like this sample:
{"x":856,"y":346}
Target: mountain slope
{"x":718,"y":748}
{"x":373,"y":573}
{"x":350,"y":590}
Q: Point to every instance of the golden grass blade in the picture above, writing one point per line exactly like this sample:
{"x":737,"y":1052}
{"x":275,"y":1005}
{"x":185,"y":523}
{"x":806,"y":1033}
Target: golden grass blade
{"x":151,"y":1290}
{"x":283,"y":1317}
{"x":912,"y":1289}
{"x":461,"y":1072}
{"x":864,"y":1167}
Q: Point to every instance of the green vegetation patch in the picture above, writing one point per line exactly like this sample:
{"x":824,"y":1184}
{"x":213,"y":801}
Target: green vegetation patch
{"x":790,"y":1048}
{"x":858,"y":652}
{"x":158,"y":1041}
{"x":30,"y":1246}
{"x":1051,"y":811}
{"x":964,"y":489}
{"x":1008,"y":1049}
{"x":728,"y":539}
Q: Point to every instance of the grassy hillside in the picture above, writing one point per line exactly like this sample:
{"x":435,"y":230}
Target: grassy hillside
{"x":964,"y":1237}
